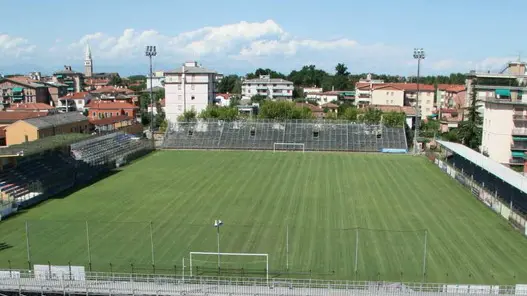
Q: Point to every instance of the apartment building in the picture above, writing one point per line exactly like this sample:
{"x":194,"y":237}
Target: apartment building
{"x":73,"y":80}
{"x":504,"y":106}
{"x":157,"y":80}
{"x":22,"y":90}
{"x":272,"y":88}
{"x":451,"y":95}
{"x":192,"y":87}
{"x":396,"y":94}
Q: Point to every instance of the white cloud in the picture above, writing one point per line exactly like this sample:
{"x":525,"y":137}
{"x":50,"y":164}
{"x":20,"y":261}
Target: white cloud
{"x":492,"y":64}
{"x":17,"y":47}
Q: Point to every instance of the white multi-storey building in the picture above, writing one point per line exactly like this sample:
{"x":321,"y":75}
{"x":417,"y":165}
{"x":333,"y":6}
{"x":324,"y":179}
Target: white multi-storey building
{"x":273,"y":88}
{"x":189,"y":88}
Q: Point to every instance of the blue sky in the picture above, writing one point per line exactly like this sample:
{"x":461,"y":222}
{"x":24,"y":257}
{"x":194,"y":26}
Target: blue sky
{"x":234,"y":36}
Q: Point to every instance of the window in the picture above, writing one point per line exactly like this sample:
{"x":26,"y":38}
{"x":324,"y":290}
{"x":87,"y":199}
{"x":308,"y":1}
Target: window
{"x":179,"y":86}
{"x":391,"y":101}
{"x":315,"y":134}
{"x":387,"y":93}
{"x":192,"y":87}
{"x":427,"y":109}
{"x":179,"y":107}
{"x":386,"y":101}
{"x":126,"y":113}
{"x":253,"y":132}
{"x":26,"y":138}
{"x":379,"y":136}
{"x":179,"y":97}
{"x":192,"y":98}
{"x":190,"y":132}
{"x":428,"y":101}
{"x":93,"y":114}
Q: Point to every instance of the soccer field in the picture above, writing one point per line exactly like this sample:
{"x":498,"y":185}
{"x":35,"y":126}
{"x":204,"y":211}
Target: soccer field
{"x":323,"y":215}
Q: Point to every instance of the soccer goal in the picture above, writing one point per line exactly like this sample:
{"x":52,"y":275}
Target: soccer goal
{"x":289,"y":147}
{"x":215,"y":259}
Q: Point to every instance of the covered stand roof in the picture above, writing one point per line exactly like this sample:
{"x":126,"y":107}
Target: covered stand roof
{"x":500,"y":171}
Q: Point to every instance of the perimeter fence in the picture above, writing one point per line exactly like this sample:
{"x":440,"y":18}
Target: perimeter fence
{"x":148,"y":247}
{"x":22,"y":282}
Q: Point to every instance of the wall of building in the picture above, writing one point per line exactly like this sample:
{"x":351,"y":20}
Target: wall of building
{"x":20,"y":132}
{"x":196,"y":94}
{"x":497,"y":131}
{"x":391,"y":97}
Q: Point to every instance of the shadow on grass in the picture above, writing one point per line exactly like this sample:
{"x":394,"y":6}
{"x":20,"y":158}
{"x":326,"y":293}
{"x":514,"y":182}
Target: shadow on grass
{"x":4,"y":246}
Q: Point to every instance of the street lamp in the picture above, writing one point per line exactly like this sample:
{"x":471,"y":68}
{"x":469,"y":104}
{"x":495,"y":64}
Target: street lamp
{"x":217,"y":224}
{"x":419,"y":54}
{"x":151,"y":52}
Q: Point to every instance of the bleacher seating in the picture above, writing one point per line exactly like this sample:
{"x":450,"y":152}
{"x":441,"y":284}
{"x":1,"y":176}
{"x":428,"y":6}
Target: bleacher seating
{"x":40,"y":176}
{"x":261,"y":135}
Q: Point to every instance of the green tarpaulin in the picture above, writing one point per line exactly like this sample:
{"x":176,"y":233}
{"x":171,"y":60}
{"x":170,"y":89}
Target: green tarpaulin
{"x":519,"y":139}
{"x":517,"y":153}
{"x":17,"y":89}
{"x":503,"y":92}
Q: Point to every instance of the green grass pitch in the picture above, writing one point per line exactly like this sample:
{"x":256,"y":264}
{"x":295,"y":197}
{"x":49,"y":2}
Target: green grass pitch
{"x":312,"y":202}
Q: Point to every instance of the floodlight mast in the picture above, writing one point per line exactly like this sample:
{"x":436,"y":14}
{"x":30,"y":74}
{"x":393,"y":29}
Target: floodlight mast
{"x":419,"y":54}
{"x":151,"y":52}
{"x":218,"y":224}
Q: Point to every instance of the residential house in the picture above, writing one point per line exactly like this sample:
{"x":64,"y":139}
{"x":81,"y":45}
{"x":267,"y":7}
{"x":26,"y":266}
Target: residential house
{"x":122,"y":122}
{"x":330,"y":107}
{"x":449,"y":118}
{"x":116,"y":94}
{"x":7,"y":118}
{"x":324,"y":97}
{"x":74,"y":80}
{"x":162,"y":105}
{"x":22,"y":91}
{"x":31,"y":129}
{"x":74,"y":102}
{"x":223,"y":100}
{"x":316,"y":111}
{"x":450,"y":95}
{"x":363,"y":90}
{"x":312,"y":90}
{"x":157,"y":80}
{"x":407,"y":110}
{"x":387,"y":95}
{"x":272,"y":88}
{"x":191,"y":87}
{"x":98,"y":109}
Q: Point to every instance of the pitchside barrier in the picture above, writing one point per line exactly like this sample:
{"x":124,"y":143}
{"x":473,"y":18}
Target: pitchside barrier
{"x":491,"y":199}
{"x":147,"y":247}
{"x":28,"y":281}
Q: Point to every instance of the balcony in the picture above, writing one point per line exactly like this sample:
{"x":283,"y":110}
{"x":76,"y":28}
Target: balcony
{"x":519,"y":131}
{"x":519,"y":117}
{"x":516,"y":161}
{"x":519,"y":146}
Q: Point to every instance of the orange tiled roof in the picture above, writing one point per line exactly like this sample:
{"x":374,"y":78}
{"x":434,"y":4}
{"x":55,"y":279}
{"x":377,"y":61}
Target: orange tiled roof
{"x":111,"y":89}
{"x":30,"y":106}
{"x":388,"y":108}
{"x":10,"y":117}
{"x":110,"y":120}
{"x":77,"y":95}
{"x":330,"y":106}
{"x":313,"y":108}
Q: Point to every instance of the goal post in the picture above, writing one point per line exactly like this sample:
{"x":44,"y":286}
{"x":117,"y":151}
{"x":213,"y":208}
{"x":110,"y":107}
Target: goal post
{"x":289,"y":147}
{"x":266,"y":256}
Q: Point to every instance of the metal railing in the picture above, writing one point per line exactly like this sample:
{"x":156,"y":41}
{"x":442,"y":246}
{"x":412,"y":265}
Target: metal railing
{"x":23,"y":281}
{"x":519,"y":131}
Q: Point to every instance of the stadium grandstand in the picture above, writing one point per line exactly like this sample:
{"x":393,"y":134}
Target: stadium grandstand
{"x":35,"y":171}
{"x":494,"y":177}
{"x":307,"y":135}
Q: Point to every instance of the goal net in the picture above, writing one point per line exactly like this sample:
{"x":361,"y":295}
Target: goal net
{"x":229,"y":263}
{"x":289,"y":147}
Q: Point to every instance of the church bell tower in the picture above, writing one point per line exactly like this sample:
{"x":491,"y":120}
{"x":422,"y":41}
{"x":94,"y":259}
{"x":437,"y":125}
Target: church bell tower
{"x":88,"y":63}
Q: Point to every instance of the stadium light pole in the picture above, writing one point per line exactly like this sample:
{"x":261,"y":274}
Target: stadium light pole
{"x":151,"y":52}
{"x":218,"y":224}
{"x":419,"y":54}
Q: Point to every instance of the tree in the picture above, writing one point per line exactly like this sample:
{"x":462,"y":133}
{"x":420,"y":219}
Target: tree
{"x":371,"y":116}
{"x":187,"y":116}
{"x":283,"y":110}
{"x":229,"y":84}
{"x":220,"y":113}
{"x":341,"y":79}
{"x":234,"y":101}
{"x":309,"y":75}
{"x":115,"y":80}
{"x":393,"y":119}
{"x":258,"y":99}
{"x":470,"y":131}
{"x":261,"y":71}
{"x":349,"y":114}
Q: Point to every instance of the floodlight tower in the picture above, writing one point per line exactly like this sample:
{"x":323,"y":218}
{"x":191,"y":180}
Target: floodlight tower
{"x":419,"y":54}
{"x":218,"y":224}
{"x":151,"y":52}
